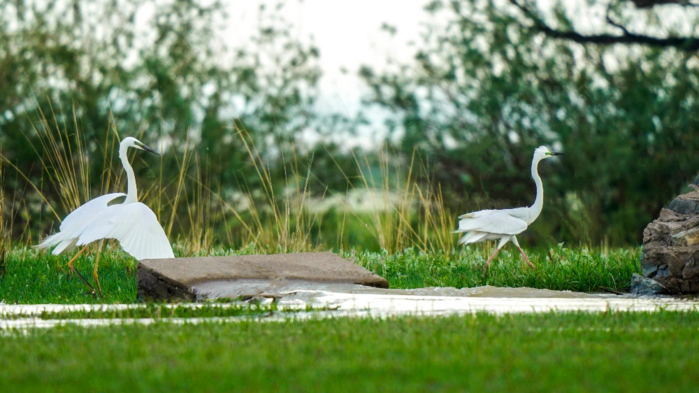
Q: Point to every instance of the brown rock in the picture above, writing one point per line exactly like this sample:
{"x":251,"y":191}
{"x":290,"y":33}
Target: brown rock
{"x":671,"y":246}
{"x":686,"y":238}
{"x":179,"y":278}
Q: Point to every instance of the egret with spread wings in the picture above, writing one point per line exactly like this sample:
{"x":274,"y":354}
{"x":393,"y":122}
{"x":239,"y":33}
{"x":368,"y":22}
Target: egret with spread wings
{"x":504,"y":225}
{"x":131,"y":222}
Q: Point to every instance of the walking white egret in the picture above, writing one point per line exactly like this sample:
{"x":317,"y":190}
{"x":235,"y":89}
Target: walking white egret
{"x":131,"y":222}
{"x":504,"y":225}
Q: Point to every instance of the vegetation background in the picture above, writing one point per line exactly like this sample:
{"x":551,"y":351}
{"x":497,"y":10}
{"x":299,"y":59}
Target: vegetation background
{"x":490,"y":81}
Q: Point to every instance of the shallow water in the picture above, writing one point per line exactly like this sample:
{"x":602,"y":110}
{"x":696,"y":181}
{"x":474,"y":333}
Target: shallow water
{"x":331,"y":300}
{"x":264,"y":288}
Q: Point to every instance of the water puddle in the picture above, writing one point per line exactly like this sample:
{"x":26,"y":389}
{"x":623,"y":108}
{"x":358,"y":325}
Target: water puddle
{"x":265,"y":288}
{"x":332,"y":300}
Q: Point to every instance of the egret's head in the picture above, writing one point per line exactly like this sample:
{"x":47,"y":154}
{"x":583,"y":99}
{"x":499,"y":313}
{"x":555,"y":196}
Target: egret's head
{"x":542,"y":152}
{"x":136,"y":144}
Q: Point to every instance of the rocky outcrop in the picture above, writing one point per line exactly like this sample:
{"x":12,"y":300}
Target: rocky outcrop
{"x":670,"y":254}
{"x":641,"y":286}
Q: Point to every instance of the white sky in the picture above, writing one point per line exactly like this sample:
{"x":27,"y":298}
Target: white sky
{"x":348,"y":35}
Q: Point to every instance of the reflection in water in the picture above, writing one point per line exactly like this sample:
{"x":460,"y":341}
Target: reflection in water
{"x":235,"y":288}
{"x":344,"y":300}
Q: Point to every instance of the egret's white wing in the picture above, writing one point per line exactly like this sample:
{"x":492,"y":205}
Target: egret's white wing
{"x":523,"y":213}
{"x":75,"y":223}
{"x":478,"y":214}
{"x":65,"y":245}
{"x":473,"y":237}
{"x":136,"y":228}
{"x":89,"y":210}
{"x":500,"y":223}
{"x":518,"y":212}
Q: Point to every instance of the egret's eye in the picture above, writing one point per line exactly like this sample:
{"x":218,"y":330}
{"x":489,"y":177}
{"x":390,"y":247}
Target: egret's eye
{"x":548,"y":153}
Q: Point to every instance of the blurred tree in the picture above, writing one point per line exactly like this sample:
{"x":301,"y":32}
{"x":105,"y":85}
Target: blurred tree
{"x":485,"y":90}
{"x":163,"y":70}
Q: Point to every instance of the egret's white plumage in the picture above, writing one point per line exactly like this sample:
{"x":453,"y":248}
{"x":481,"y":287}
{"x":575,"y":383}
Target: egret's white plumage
{"x":136,"y":228}
{"x":132,"y":223}
{"x":504,"y":225}
{"x":76,"y":222}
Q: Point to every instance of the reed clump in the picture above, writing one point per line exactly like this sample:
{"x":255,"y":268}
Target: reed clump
{"x":400,"y":206}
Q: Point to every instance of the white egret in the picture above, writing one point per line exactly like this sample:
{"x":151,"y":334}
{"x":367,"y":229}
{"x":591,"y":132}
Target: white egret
{"x":131,"y":222}
{"x":504,"y":225}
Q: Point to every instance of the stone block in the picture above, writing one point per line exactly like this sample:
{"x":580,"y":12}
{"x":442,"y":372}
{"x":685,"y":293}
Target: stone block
{"x":205,"y":277}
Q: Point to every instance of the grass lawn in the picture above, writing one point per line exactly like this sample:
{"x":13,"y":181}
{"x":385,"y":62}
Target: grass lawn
{"x":574,"y":352}
{"x":33,"y":277}
{"x":577,"y":352}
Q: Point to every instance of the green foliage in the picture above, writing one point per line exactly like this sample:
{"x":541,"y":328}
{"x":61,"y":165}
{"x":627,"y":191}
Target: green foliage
{"x":576,"y":352}
{"x":160,"y":71}
{"x":484,"y":91}
{"x":481,"y":94}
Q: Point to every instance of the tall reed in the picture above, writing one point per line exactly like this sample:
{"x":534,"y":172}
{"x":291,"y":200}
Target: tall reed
{"x":407,"y":208}
{"x":3,"y":235}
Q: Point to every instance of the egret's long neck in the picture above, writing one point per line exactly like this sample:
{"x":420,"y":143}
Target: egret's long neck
{"x":131,"y":191}
{"x":539,"y":201}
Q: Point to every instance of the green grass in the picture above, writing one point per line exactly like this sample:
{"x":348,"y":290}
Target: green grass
{"x":581,"y":270}
{"x":577,"y":352}
{"x":158,"y":311}
{"x":32,"y":277}
{"x":38,"y":277}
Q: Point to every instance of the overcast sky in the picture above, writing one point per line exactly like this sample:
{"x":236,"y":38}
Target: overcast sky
{"x":348,"y":35}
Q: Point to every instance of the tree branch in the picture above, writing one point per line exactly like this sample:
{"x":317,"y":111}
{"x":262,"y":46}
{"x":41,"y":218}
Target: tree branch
{"x":688,"y":44}
{"x":641,"y":4}
{"x":614,"y":23}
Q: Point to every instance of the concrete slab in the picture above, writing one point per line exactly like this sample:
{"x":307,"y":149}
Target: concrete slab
{"x":205,"y":277}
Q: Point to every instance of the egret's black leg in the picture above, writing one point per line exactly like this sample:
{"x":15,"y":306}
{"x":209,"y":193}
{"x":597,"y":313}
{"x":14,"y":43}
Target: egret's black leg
{"x":70,"y":265}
